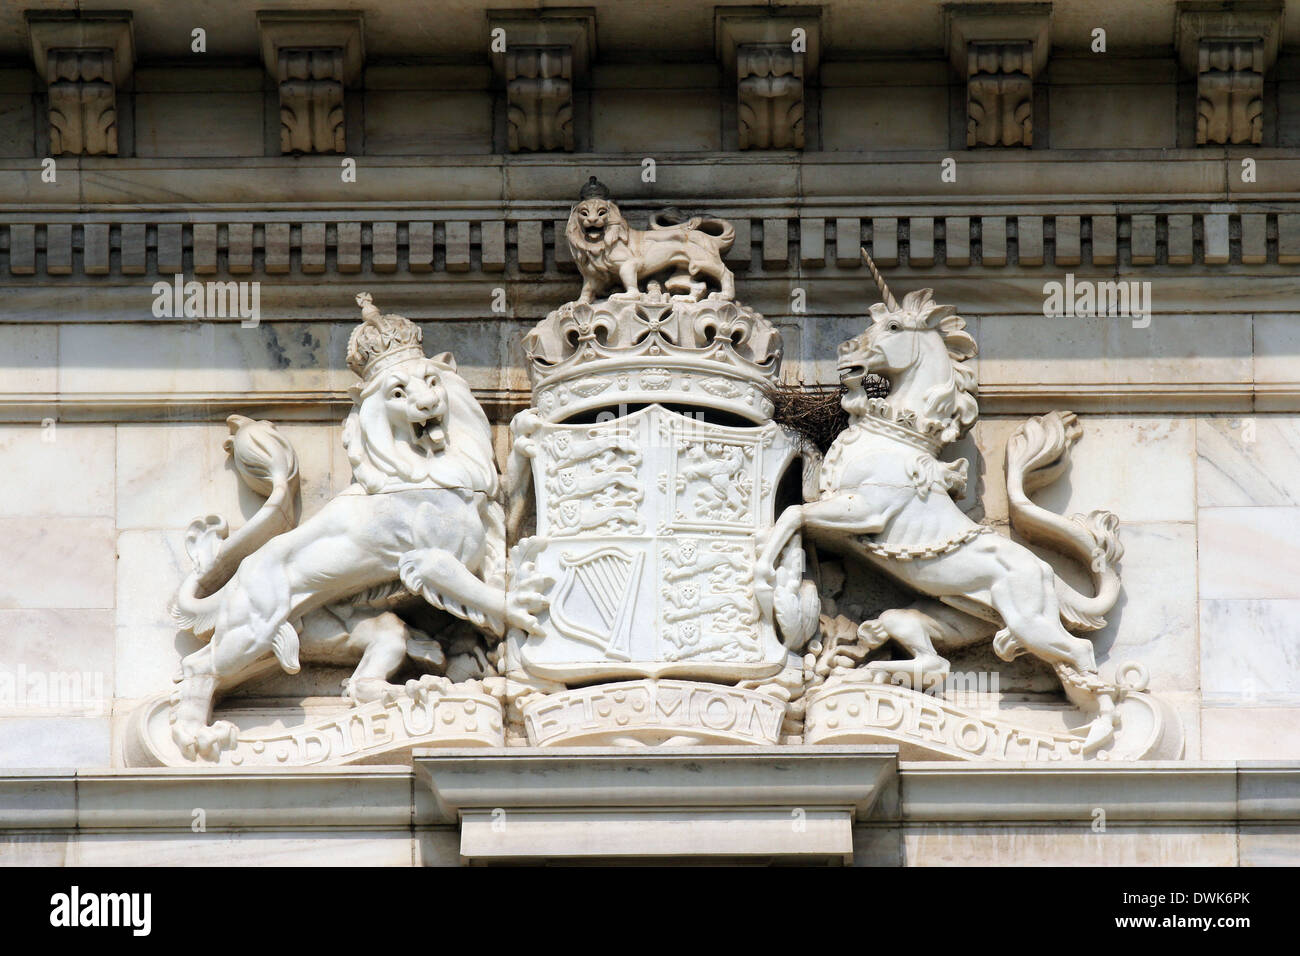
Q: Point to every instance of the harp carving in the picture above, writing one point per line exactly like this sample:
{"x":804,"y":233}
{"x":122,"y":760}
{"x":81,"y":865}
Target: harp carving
{"x":604,"y":583}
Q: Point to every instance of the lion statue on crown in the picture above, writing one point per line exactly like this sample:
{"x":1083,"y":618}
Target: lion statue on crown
{"x":609,"y":252}
{"x":423,"y":517}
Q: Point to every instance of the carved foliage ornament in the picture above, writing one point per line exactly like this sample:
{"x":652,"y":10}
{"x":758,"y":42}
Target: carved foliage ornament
{"x":1229,"y":48}
{"x":313,"y":57}
{"x":539,"y":99}
{"x":999,"y":95}
{"x":84,"y":60}
{"x":1230,"y":92}
{"x":311,"y":101}
{"x":83,"y":103}
{"x":770,"y":96}
{"x":540,"y":58}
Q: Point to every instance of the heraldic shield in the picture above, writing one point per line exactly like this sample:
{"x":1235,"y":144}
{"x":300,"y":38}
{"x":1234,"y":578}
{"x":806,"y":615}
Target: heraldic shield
{"x":648,"y":524}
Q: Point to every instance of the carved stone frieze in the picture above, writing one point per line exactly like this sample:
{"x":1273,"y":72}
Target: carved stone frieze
{"x":83,"y":62}
{"x":997,"y":235}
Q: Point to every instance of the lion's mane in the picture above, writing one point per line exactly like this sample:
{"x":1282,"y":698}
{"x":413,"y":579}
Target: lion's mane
{"x":595,"y":256}
{"x":466,"y":461}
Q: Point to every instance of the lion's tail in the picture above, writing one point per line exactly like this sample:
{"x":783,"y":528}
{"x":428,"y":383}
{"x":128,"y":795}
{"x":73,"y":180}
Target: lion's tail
{"x":720,"y":231}
{"x":267,"y":464}
{"x":1038,"y":453}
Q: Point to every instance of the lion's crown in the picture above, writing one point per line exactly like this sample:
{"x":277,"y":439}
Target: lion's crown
{"x":381,"y":340}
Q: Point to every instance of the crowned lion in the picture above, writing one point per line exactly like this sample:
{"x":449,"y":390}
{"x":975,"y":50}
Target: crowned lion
{"x":609,"y":252}
{"x":423,"y":517}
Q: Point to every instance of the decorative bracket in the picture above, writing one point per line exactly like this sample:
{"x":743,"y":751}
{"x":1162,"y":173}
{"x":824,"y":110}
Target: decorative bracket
{"x":545,"y":55}
{"x":1229,"y":50}
{"x":999,"y":49}
{"x":773,"y":59}
{"x":83,"y":60}
{"x":313,"y":57}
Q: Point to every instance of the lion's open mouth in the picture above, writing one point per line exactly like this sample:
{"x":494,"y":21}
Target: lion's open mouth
{"x":427,"y":434}
{"x":594,"y":233}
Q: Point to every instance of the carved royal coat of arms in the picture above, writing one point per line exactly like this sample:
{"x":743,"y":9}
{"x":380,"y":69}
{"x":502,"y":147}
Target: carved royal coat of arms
{"x":653,"y":567}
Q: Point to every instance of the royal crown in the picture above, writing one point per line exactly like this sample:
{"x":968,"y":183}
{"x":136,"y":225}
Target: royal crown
{"x":629,"y":351}
{"x":381,"y":340}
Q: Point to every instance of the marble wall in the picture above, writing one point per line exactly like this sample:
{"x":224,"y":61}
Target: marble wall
{"x":94,"y":514}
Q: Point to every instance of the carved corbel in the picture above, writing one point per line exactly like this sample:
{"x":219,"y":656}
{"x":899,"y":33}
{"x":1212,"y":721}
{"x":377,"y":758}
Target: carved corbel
{"x":999,"y":49}
{"x":313,"y":57}
{"x":1229,"y":51}
{"x":540,"y":58}
{"x":84,"y":61}
{"x":773,"y":61}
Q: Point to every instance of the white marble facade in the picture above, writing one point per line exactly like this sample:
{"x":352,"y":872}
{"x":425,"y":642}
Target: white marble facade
{"x":112,"y":417}
{"x":95,"y":514}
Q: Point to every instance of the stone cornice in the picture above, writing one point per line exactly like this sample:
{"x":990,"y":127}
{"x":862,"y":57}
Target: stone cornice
{"x":902,"y":178}
{"x":1189,"y":793}
{"x":776,"y":241}
{"x":1247,"y":791}
{"x":502,"y":214}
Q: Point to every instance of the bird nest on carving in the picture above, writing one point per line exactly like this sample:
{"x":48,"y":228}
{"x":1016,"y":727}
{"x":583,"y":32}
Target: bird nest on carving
{"x":814,"y":411}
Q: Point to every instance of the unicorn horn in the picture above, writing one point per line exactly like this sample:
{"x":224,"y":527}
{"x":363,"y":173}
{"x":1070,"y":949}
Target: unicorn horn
{"x":880,"y":282}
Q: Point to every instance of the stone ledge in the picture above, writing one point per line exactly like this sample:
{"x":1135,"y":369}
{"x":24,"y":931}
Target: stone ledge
{"x":1163,"y":792}
{"x":248,"y":799}
{"x":731,"y":799}
{"x":789,"y":803}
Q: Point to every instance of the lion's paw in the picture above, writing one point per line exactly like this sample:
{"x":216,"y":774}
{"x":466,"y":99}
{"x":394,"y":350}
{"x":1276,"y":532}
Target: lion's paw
{"x":408,"y":569}
{"x":428,"y":685}
{"x":205,"y":742}
{"x":528,"y":598}
{"x":365,"y":690}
